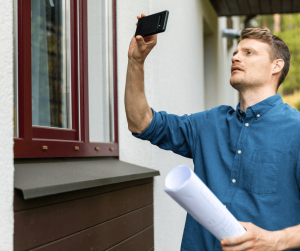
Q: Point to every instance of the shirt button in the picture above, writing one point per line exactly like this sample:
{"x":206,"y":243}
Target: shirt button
{"x":239,"y":151}
{"x":241,"y":112}
{"x":246,"y":124}
{"x":234,"y":180}
{"x":258,"y":115}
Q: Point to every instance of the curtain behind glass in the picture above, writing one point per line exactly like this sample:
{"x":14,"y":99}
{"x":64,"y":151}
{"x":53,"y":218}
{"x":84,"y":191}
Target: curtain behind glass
{"x":98,"y":71}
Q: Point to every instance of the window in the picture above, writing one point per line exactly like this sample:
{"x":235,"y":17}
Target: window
{"x":65,"y":79}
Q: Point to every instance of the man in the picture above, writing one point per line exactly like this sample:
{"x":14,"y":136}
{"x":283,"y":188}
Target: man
{"x":248,"y":157}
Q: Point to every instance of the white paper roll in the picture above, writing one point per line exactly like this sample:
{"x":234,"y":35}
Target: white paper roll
{"x":184,"y":186}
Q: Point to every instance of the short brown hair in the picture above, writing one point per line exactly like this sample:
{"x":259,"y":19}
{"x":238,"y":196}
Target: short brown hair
{"x":278,"y":49}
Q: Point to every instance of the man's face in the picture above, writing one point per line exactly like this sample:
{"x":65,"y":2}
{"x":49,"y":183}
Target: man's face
{"x":251,"y":65}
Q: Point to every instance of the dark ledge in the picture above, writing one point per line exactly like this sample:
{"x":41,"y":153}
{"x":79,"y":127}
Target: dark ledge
{"x":42,"y":177}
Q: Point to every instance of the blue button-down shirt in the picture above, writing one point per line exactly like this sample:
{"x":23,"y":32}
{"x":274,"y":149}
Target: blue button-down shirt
{"x":248,"y":159}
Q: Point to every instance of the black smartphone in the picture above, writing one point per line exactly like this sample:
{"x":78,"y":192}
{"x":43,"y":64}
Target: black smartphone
{"x":152,"y":24}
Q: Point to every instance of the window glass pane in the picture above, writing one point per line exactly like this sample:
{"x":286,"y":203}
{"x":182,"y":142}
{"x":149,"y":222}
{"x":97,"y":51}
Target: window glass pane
{"x":50,"y":81}
{"x":100,"y":71}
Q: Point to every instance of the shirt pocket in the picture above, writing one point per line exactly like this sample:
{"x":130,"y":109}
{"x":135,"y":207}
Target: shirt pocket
{"x":260,"y":171}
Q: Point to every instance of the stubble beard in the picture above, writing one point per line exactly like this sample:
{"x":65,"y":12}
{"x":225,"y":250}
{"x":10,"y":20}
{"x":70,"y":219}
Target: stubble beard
{"x":243,"y":84}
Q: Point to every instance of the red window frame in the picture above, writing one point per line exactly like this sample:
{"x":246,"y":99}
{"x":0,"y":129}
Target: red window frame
{"x":43,"y":142}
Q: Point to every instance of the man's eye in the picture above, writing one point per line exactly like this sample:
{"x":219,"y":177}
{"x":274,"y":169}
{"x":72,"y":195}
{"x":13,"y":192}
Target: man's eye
{"x":249,"y":52}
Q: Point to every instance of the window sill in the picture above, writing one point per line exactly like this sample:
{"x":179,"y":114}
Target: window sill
{"x":43,"y":177}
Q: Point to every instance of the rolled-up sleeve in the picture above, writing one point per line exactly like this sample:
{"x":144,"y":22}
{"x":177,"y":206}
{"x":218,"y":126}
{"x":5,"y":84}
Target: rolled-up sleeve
{"x":171,"y":132}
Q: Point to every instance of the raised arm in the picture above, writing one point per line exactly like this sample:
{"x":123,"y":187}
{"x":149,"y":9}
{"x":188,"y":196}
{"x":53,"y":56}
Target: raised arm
{"x":138,"y":112}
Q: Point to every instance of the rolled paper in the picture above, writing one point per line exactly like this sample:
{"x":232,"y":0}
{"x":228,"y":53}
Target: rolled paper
{"x":188,"y":190}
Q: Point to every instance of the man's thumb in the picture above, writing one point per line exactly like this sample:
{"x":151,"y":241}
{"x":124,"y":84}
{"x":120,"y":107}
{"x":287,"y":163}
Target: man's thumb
{"x":140,"y":40}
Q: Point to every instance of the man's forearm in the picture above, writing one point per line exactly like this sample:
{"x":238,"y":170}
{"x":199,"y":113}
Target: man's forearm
{"x":138,"y":112}
{"x":289,"y":238}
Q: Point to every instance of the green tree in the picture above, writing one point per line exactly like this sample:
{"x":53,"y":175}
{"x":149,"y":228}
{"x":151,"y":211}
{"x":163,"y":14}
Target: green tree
{"x":290,"y":34}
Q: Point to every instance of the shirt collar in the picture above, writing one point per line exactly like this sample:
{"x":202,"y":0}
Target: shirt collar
{"x":260,"y":108}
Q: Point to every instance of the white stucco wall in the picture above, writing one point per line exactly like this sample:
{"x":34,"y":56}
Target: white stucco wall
{"x":174,"y":82}
{"x":6,"y":125}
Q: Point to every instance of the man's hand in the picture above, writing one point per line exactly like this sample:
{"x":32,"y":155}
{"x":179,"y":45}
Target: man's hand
{"x":140,"y":47}
{"x":255,"y":238}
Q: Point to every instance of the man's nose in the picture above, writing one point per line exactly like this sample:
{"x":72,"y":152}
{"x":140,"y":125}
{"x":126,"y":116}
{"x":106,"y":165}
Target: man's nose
{"x":236,"y":58}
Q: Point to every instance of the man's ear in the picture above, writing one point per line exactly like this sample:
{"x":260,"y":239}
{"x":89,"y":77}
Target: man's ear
{"x":278,"y":65}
